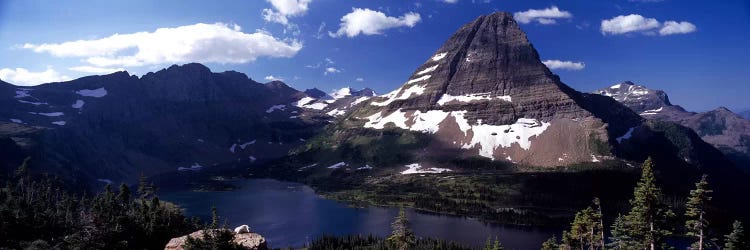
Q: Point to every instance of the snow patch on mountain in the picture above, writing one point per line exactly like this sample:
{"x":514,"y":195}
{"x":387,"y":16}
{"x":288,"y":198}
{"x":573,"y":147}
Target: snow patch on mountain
{"x":33,"y":103}
{"x":60,"y":123}
{"x":440,"y":56}
{"x":490,"y":137}
{"x":78,"y":105}
{"x":337,"y":165}
{"x":21,"y":93}
{"x":51,"y":114}
{"x":336,"y":112}
{"x":428,"y":70}
{"x":626,"y":136}
{"x":306,"y":167}
{"x":16,"y":121}
{"x":359,"y":100}
{"x":276,"y":107}
{"x":416,"y":168}
{"x":652,"y":111}
{"x":194,"y":167}
{"x":419,"y":79}
{"x":100,"y":92}
{"x":446,"y":98}
{"x":486,"y":137}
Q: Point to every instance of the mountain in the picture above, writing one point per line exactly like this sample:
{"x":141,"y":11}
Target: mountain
{"x":483,"y":128}
{"x":184,"y":118}
{"x":649,"y":103}
{"x":725,"y":130}
{"x":337,"y":103}
{"x":485,"y":93}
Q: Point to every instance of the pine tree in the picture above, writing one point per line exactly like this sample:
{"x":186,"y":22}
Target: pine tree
{"x":497,"y":245}
{"x":124,"y":195}
{"x":600,"y":216}
{"x":696,"y":212}
{"x":23,"y":169}
{"x":493,"y":245}
{"x":646,"y":221}
{"x":402,"y":237}
{"x":619,"y":238}
{"x":551,"y":244}
{"x":735,"y":239}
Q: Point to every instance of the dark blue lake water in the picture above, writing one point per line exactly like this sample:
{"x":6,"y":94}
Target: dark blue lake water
{"x":291,"y":214}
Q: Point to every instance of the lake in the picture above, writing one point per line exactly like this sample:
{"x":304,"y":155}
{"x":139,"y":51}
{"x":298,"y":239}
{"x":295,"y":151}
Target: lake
{"x":291,"y":214}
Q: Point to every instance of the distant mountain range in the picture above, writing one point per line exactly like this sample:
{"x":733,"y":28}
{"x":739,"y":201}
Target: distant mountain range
{"x":185,"y":118}
{"x":725,"y":130}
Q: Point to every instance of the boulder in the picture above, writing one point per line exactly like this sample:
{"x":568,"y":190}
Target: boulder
{"x":247,"y":239}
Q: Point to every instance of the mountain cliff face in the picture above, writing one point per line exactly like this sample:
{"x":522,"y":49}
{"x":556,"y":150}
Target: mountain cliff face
{"x":485,"y":92}
{"x":722,"y":128}
{"x":184,"y":118}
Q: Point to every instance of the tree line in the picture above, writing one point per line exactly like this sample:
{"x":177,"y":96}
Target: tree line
{"x":647,"y":224}
{"x":36,"y":213}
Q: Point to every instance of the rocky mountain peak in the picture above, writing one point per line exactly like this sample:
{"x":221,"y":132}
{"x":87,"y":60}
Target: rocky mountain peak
{"x":486,"y":90}
{"x":315,"y":93}
{"x":638,"y":97}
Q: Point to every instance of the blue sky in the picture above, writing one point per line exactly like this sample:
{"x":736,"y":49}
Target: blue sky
{"x":697,"y":51}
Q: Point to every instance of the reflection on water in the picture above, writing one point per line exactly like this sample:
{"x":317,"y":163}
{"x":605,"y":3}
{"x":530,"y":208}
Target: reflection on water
{"x":291,"y":214}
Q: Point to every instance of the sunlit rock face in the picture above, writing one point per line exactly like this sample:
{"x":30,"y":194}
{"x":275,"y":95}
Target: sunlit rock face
{"x":486,"y":92}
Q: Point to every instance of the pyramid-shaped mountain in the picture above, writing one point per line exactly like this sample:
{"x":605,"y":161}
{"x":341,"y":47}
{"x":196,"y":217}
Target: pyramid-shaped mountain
{"x":486,"y":92}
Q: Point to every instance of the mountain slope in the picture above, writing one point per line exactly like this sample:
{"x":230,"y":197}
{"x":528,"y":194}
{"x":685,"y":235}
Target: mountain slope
{"x":116,"y":126}
{"x":486,"y":93}
{"x":725,"y":130}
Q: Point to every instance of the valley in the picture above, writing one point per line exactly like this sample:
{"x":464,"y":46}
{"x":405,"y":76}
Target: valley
{"x":481,"y":141}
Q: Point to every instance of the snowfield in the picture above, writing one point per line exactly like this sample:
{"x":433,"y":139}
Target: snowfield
{"x":52,"y":114}
{"x":427,"y":70}
{"x":485,"y":136}
{"x":440,"y":56}
{"x":78,"y":105}
{"x":100,"y":92}
{"x":276,"y":107}
{"x":337,"y":165}
{"x":194,"y":167}
{"x":446,"y":98}
{"x":415,"y":168}
{"x":626,"y":136}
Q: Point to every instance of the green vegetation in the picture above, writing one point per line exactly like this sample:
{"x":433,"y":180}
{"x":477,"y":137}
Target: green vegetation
{"x":697,"y":206}
{"x":35,"y":213}
{"x":401,"y":238}
{"x":213,"y":237}
{"x":736,"y":239}
{"x":647,"y":223}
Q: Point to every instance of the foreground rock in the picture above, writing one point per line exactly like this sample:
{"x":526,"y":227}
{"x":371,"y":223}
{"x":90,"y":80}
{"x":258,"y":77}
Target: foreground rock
{"x":248,"y":240}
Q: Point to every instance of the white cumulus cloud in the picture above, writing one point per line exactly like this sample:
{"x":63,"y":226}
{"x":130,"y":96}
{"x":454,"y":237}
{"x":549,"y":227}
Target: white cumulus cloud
{"x":273,"y":78}
{"x":204,"y":43}
{"x":24,"y":77}
{"x":543,"y":16}
{"x":95,"y":70}
{"x":360,"y":79}
{"x":283,"y":9}
{"x":636,"y":23}
{"x":371,"y":22}
{"x":672,"y":27}
{"x":331,"y":70}
{"x":566,"y":65}
{"x":450,"y":1}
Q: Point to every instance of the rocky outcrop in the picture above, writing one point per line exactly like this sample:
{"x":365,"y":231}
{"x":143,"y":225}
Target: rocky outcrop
{"x":248,"y":240}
